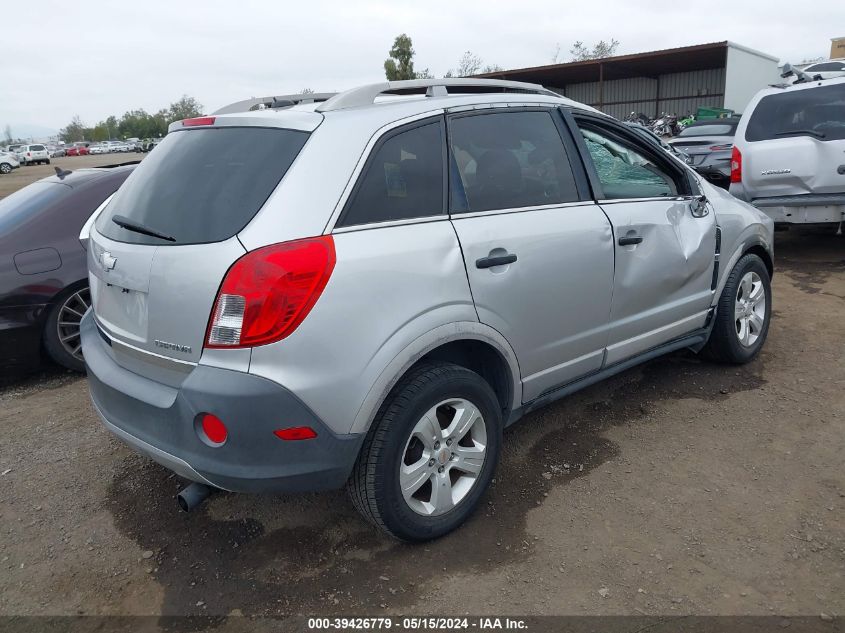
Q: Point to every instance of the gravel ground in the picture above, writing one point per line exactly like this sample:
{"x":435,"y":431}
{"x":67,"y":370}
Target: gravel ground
{"x":27,"y":174}
{"x":679,"y":487}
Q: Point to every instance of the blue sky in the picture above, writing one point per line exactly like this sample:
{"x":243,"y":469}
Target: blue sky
{"x":95,"y":58}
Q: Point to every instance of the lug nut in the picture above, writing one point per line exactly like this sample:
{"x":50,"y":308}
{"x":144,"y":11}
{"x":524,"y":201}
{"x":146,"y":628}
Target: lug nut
{"x":437,"y":445}
{"x":431,"y":462}
{"x":441,"y":469}
{"x":449,"y":442}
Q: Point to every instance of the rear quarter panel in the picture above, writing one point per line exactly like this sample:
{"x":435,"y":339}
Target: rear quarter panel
{"x":390,"y":286}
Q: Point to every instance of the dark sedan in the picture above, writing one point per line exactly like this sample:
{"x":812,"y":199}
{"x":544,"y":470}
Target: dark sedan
{"x":709,"y":144}
{"x":43,"y":274}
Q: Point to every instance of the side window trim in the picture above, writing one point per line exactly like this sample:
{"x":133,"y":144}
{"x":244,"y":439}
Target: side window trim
{"x":570,"y":151}
{"x":617,"y":132}
{"x":337,"y":224}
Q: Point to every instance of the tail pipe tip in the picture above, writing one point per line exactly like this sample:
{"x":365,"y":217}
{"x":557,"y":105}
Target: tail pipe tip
{"x":192,"y":496}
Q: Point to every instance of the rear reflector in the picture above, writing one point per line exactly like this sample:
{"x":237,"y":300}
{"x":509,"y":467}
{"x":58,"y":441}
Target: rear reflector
{"x":200,"y":120}
{"x":736,"y":165}
{"x":268,"y":292}
{"x":296,"y":433}
{"x":214,"y":429}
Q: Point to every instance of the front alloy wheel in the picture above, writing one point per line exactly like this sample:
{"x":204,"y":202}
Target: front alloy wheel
{"x":743,"y":312}
{"x":750,"y":309}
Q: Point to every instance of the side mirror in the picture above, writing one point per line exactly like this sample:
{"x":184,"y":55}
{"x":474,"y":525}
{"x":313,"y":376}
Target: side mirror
{"x":698,"y":207}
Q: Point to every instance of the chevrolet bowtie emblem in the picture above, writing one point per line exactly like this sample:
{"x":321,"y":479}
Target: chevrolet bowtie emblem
{"x":107,"y":261}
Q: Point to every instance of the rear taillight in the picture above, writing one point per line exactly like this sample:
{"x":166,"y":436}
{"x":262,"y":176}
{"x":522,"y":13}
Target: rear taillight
{"x":200,"y":120}
{"x":736,"y":165}
{"x":268,"y":292}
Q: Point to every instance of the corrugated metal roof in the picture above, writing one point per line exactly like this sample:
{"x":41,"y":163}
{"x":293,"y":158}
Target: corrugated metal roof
{"x":648,"y":64}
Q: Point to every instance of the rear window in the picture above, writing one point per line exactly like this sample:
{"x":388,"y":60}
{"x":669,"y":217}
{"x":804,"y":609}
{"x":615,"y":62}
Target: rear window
{"x":825,"y":67}
{"x":36,"y":148}
{"x":202,"y":185}
{"x":815,"y":112}
{"x":715,"y":129}
{"x":25,"y":203}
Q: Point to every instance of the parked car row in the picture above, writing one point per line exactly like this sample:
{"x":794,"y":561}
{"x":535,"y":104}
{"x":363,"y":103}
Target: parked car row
{"x":28,"y":154}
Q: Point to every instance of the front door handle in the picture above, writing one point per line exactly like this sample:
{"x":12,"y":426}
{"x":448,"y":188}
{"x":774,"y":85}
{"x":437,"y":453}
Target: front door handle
{"x":628,"y":240}
{"x":498,"y":260}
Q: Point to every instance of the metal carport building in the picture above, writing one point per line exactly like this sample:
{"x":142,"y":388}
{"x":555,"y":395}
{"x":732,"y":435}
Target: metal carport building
{"x":674,"y":80}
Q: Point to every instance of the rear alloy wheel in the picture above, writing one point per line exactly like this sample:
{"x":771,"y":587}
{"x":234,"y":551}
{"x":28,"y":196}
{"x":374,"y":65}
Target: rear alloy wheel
{"x":742,"y":314}
{"x":440,"y":465}
{"x":430,"y":453}
{"x":61,"y":334}
{"x":5,"y":168}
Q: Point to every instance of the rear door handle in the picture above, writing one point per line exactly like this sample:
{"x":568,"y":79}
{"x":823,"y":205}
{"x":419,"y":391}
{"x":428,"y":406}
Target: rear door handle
{"x":499,"y":260}
{"x":628,"y":240}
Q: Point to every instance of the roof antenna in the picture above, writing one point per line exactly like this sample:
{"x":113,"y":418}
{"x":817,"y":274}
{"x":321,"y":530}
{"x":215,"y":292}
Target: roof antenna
{"x":61,"y":173}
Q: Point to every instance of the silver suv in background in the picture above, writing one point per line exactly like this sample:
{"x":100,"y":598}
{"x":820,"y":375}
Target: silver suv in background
{"x":366,"y":290}
{"x":789,"y":152}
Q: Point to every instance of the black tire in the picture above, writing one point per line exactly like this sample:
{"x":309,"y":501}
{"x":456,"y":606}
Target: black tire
{"x":374,"y":484}
{"x":47,"y":161}
{"x":724,"y":344}
{"x":52,"y":343}
{"x":5,"y":168}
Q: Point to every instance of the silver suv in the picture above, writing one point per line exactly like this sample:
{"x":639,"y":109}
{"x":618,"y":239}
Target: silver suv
{"x":789,"y":152}
{"x":365,"y":291}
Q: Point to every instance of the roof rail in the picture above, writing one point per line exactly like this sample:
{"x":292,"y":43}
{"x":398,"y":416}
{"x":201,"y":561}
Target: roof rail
{"x":281,"y":101}
{"x":366,"y":95}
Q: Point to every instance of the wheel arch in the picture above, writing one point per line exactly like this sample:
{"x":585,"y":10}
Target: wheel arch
{"x":473,"y":345}
{"x":756,"y":244}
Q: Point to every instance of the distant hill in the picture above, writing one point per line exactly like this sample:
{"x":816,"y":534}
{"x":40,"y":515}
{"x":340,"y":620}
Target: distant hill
{"x":26,"y":131}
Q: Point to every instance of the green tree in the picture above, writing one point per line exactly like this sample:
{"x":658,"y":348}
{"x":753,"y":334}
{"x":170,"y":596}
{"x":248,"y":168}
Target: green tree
{"x":603,"y":49}
{"x":400,"y":64}
{"x":75,"y":131}
{"x":471,"y":64}
{"x":186,"y":108}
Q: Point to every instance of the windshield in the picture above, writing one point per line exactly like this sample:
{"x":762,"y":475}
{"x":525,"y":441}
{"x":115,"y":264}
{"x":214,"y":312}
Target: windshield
{"x":202,"y":185}
{"x":815,"y":112}
{"x":714,"y":129}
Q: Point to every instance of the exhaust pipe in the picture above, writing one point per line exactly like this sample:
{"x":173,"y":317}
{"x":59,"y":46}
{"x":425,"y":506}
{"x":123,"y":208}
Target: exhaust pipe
{"x":190,"y":497}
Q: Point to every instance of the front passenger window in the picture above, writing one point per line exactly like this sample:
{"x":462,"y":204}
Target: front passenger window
{"x":624,"y":172}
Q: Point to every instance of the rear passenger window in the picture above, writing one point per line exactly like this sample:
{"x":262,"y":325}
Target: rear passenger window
{"x":402,"y":180}
{"x":508,"y":160}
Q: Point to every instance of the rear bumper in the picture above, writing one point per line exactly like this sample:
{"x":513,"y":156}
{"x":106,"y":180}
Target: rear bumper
{"x":803,"y":209}
{"x":159,"y":421}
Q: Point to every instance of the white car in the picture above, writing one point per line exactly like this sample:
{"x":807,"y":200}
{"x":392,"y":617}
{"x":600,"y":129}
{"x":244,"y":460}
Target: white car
{"x":34,"y":154}
{"x":8,"y":162}
{"x":99,"y":148}
{"x":827,"y":70}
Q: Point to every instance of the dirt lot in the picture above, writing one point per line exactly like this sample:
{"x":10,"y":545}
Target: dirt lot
{"x":678,"y":487}
{"x":21,"y":177}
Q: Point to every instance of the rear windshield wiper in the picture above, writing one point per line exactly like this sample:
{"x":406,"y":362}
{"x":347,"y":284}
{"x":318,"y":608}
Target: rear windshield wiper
{"x":137,"y":227}
{"x":810,"y":132}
